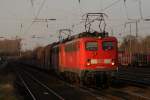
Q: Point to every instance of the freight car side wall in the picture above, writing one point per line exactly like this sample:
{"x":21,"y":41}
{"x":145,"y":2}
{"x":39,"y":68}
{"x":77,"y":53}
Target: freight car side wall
{"x":62,"y":57}
{"x":134,"y":59}
{"x":48,"y":57}
{"x":55,"y":58}
{"x":40,"y":57}
{"x":70,"y":56}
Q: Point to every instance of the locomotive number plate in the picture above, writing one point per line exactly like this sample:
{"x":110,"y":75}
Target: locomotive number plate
{"x":107,"y":61}
{"x":94,"y":61}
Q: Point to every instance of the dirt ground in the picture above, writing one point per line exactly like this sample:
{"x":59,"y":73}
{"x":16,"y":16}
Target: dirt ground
{"x":7,"y":90}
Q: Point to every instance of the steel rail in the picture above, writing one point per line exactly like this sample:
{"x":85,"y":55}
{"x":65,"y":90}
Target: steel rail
{"x":83,"y":90}
{"x":131,"y":93}
{"x":26,"y":86}
{"x":45,"y":86}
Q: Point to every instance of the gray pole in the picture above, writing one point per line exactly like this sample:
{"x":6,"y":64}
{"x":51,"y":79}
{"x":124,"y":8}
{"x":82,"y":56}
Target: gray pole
{"x":136,"y":28}
{"x":130,"y":44}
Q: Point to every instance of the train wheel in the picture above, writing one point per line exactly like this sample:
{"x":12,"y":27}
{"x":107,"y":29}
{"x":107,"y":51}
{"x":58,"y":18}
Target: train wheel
{"x":77,"y":80}
{"x":70,"y":77}
{"x":86,"y":81}
{"x":62,"y":76}
{"x":67,"y":77}
{"x":105,"y":82}
{"x":102,"y":80}
{"x":104,"y":86}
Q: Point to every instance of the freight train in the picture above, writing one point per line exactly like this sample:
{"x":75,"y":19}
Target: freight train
{"x":87,"y":58}
{"x":127,"y":58}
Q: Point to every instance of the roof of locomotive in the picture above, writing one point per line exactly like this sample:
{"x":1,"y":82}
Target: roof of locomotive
{"x":86,"y":34}
{"x":103,"y":35}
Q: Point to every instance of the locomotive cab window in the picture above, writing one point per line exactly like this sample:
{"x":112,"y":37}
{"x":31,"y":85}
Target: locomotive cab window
{"x":108,"y":45}
{"x":92,"y":46}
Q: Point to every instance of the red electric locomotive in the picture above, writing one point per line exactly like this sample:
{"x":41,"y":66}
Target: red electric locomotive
{"x":88,"y":58}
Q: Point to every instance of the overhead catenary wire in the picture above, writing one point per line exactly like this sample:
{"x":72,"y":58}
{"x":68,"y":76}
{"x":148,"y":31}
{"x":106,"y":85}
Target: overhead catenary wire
{"x":32,"y":3}
{"x":127,"y":15}
{"x":105,"y":8}
{"x":42,"y":4}
{"x":79,"y":1}
{"x":81,"y":22}
{"x":134,"y":21}
{"x":140,"y":9}
{"x":36,"y":16}
{"x":80,"y":13}
{"x":111,"y":5}
{"x":126,"y":11}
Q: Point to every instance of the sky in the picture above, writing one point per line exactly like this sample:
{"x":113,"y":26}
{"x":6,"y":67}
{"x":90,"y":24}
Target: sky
{"x":16,"y":18}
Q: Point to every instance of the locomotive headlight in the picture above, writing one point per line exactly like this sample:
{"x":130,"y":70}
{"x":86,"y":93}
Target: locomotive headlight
{"x":88,"y":62}
{"x":113,"y":63}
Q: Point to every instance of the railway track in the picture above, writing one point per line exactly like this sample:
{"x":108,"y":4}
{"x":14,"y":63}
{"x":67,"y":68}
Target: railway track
{"x":97,"y":94}
{"x":32,"y":84}
{"x":127,"y":93}
{"x":135,"y":75}
{"x":100,"y":94}
{"x":67,"y":92}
